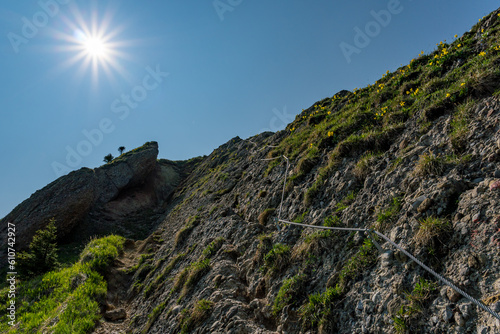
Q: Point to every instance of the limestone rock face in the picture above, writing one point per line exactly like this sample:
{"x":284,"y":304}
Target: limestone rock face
{"x":70,"y":198}
{"x":67,"y":199}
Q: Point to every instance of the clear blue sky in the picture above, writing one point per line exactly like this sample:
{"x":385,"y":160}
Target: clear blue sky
{"x":235,"y":70}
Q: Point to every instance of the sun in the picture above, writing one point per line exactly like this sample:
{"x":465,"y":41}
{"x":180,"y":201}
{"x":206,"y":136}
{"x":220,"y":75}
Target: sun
{"x":95,"y":47}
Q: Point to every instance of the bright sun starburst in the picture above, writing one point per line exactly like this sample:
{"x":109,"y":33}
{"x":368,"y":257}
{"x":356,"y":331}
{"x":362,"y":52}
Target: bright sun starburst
{"x":92,"y":45}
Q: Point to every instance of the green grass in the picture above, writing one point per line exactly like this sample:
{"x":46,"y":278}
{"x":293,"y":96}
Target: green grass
{"x":364,"y":164}
{"x":68,"y":299}
{"x":317,"y":242}
{"x":429,"y":228}
{"x":289,"y":293}
{"x":414,"y":305}
{"x":318,"y":308}
{"x":184,"y":232}
{"x":276,"y":259}
{"x":142,"y":259}
{"x":388,"y":215}
{"x":300,"y":218}
{"x":163,"y":275}
{"x":153,"y":316}
{"x":304,"y":166}
{"x":395,"y":163}
{"x":264,"y":246}
{"x":371,"y":118}
{"x":213,"y":209}
{"x":213,"y":247}
{"x":459,"y":126}
{"x":364,"y":258}
{"x":429,"y":164}
{"x":194,"y":272}
{"x":345,"y":202}
{"x":458,"y":160}
{"x":200,"y":311}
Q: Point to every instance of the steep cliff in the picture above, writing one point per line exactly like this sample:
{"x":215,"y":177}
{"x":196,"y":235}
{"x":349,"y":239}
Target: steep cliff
{"x":92,"y":202}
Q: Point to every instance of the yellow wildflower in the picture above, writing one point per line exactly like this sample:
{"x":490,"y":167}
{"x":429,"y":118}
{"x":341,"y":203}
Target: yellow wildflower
{"x":482,"y":54}
{"x":402,"y":104}
{"x":448,"y":94}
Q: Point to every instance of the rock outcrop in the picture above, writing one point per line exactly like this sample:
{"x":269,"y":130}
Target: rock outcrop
{"x":133,"y":182}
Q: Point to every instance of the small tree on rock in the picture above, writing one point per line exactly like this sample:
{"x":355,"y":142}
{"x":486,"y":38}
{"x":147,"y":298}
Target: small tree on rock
{"x":42,"y":254}
{"x":108,"y":158}
{"x":121,"y":149}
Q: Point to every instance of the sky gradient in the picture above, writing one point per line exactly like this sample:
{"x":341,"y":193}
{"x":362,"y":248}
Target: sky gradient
{"x":190,"y":75}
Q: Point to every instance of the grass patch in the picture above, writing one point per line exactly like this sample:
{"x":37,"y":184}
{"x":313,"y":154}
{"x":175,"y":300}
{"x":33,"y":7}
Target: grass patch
{"x":289,"y":293}
{"x":276,"y":259}
{"x":431,"y":227}
{"x":190,"y":320}
{"x":429,"y":164}
{"x":65,"y":300}
{"x":414,"y":305}
{"x":345,"y":202}
{"x":264,"y":246}
{"x":364,"y":258}
{"x":364,"y":164}
{"x":153,"y":316}
{"x":300,"y":218}
{"x":164,"y":273}
{"x":459,"y":126}
{"x":316,"y":311}
{"x":395,"y":163}
{"x":458,"y":160}
{"x":319,"y":306}
{"x":304,"y":167}
{"x":195,"y":272}
{"x":184,"y":232}
{"x":213,"y":247}
{"x":387,"y":216}
{"x":213,"y":209}
{"x":317,"y":242}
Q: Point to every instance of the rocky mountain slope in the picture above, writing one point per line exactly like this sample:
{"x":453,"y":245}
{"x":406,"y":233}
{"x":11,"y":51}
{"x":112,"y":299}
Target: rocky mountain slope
{"x":414,"y":156}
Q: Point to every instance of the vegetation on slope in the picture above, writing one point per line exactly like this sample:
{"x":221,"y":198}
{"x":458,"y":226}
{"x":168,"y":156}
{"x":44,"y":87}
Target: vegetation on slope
{"x":367,"y":119}
{"x":66,"y":300}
